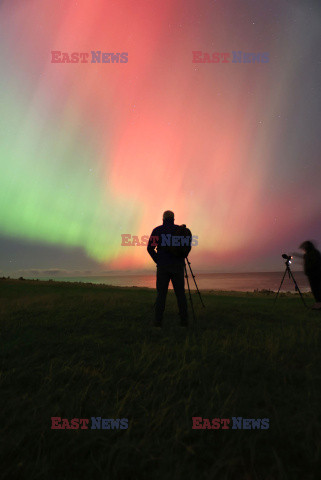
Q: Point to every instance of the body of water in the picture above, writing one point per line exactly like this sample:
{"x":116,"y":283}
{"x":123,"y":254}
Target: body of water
{"x":244,"y":282}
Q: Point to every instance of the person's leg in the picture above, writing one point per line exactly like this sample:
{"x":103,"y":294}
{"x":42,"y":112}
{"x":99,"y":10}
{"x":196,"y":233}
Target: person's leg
{"x":318,"y":290}
{"x":162,"y":281}
{"x":177,"y":278}
{"x":315,"y":284}
{"x":315,"y":288}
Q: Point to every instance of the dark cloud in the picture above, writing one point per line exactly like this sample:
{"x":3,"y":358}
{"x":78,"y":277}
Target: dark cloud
{"x":23,"y":255}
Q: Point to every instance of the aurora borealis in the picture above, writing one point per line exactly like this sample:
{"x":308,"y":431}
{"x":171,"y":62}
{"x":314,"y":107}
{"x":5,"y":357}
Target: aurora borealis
{"x":92,"y":151}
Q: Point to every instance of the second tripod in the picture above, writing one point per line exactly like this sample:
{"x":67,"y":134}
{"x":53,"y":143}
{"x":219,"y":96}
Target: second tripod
{"x":288,"y":271}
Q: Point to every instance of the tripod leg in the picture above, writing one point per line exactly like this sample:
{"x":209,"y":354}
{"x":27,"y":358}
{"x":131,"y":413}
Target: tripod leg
{"x":286,"y":271}
{"x":297,"y":288}
{"x":193,"y":276}
{"x":190,"y":296}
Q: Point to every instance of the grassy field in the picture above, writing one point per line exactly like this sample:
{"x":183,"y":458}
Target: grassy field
{"x":81,"y":350}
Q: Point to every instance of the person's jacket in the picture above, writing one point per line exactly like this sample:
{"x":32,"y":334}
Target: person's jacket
{"x":312,"y":263}
{"x":162,"y":256}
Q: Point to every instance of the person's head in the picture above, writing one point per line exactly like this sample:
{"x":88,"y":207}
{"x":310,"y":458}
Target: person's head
{"x":307,"y":246}
{"x":168,"y":216}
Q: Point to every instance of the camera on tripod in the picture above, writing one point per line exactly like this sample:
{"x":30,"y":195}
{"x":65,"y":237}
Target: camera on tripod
{"x":287,"y":257}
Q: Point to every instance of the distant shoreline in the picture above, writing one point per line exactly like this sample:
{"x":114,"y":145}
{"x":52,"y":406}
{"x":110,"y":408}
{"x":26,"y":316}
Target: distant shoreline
{"x":65,"y":283}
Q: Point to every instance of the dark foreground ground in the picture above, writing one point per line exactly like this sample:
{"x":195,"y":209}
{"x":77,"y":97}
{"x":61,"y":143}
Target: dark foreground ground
{"x":82,"y":351}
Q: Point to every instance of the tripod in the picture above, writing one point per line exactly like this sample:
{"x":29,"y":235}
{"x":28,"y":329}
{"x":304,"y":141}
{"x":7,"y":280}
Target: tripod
{"x":189,"y":291}
{"x":288,"y":271}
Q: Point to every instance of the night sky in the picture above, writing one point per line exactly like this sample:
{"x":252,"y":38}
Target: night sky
{"x":90,"y":151}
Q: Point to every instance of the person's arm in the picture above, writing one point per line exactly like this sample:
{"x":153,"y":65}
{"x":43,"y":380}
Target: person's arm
{"x":152,"y":244}
{"x":296,"y":254}
{"x":190,"y":243}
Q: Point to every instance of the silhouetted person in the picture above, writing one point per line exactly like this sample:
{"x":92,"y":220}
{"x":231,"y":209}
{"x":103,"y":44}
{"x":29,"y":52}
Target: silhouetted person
{"x":169,"y":267}
{"x":312,"y":269}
